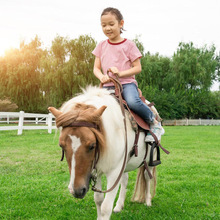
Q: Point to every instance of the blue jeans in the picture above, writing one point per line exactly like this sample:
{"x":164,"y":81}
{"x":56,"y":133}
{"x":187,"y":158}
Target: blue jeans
{"x":131,"y":96}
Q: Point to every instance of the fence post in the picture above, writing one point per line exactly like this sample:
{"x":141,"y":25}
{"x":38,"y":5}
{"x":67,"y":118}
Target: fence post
{"x":49,"y":123}
{"x":21,"y":122}
{"x":8,"y":119}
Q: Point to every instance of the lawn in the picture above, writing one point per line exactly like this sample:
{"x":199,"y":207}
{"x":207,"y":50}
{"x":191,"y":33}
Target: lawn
{"x":33,"y":181}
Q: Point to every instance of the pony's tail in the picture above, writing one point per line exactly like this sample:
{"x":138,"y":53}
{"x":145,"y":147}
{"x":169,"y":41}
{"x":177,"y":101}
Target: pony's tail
{"x":141,"y":186}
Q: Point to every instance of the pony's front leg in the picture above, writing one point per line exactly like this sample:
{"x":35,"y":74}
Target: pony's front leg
{"x":98,"y":197}
{"x":121,"y":199}
{"x":107,"y":205}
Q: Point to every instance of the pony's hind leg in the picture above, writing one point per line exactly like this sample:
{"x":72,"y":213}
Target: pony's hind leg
{"x":120,"y":202}
{"x":142,"y":192}
{"x":148,"y":196}
{"x":98,"y":197}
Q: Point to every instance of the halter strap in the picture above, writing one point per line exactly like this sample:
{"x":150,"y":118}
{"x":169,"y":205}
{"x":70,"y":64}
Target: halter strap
{"x":82,"y":124}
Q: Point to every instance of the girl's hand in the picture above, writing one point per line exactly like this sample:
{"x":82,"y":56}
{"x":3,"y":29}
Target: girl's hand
{"x":104,"y":79}
{"x":115,"y":71}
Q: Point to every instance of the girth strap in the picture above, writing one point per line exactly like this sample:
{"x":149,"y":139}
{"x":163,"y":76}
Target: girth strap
{"x":145,"y":163}
{"x":134,"y":150}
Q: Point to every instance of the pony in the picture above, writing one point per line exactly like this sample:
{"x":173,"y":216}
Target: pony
{"x":92,"y":137}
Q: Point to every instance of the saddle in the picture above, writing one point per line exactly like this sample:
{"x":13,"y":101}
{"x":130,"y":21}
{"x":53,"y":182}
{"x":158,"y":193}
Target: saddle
{"x":139,"y":125}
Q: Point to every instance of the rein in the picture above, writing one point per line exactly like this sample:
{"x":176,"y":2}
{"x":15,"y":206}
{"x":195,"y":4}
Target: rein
{"x":118,"y":91}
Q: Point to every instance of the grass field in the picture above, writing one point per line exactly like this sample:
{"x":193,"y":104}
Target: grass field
{"x":33,"y":181}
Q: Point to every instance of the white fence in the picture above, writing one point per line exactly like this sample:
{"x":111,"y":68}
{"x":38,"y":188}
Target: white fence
{"x":34,"y":121}
{"x":192,"y":122}
{"x":46,"y":121}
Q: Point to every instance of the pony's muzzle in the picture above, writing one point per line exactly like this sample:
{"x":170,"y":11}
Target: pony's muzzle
{"x":80,"y":192}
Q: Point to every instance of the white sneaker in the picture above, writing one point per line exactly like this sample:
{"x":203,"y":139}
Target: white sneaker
{"x":157,"y":130}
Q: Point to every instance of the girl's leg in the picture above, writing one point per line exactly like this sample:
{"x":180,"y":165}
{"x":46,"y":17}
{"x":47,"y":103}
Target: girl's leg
{"x":131,"y":96}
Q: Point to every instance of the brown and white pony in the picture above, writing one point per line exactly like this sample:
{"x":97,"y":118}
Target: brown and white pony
{"x":106,"y":135}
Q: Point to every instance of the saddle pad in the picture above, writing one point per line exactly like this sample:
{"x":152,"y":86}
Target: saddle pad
{"x":144,"y":125}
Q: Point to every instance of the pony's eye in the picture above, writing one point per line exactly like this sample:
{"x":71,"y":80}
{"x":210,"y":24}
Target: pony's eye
{"x":92,"y":147}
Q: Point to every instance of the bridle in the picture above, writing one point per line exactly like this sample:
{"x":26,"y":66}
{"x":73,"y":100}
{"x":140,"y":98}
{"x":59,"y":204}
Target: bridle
{"x":80,"y":124}
{"x":118,"y":93}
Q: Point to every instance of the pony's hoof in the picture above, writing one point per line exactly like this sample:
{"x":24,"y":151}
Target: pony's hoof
{"x":117,"y":209}
{"x":148,"y":203}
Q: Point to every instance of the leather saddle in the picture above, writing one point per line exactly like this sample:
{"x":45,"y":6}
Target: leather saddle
{"x":140,"y":125}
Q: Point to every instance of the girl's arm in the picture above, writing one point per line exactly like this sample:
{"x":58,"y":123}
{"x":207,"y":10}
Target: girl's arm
{"x":97,"y":71}
{"x":135,"y":69}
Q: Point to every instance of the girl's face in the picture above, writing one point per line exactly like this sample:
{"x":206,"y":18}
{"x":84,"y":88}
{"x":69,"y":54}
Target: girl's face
{"x":111,"y":27}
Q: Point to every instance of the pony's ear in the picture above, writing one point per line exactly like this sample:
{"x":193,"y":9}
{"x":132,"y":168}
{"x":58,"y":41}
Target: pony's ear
{"x":54,"y":111}
{"x":99,"y":111}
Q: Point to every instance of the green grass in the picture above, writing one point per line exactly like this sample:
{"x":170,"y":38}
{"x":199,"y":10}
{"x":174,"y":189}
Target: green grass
{"x":33,"y":182}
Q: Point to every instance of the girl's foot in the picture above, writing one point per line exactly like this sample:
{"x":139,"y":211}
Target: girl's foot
{"x":158,"y":130}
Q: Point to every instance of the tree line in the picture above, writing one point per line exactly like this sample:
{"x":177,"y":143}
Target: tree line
{"x":34,"y":78}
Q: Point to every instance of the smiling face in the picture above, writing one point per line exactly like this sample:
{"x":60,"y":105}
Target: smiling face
{"x":112,"y":27}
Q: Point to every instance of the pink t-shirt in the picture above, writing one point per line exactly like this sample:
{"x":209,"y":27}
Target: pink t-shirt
{"x":120,"y":55}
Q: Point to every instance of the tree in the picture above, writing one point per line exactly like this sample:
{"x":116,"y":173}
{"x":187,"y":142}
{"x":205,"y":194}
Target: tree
{"x":67,"y":67}
{"x":155,"y":72}
{"x":20,"y":77}
{"x":218,"y":67}
{"x":139,"y":44}
{"x":194,"y":68}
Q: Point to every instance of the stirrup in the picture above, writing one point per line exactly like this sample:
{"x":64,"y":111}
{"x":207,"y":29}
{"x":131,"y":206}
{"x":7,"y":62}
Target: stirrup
{"x":152,"y":162}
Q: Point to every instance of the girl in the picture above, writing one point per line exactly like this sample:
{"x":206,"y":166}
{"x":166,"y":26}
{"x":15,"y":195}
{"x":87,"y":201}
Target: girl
{"x":121,"y":57}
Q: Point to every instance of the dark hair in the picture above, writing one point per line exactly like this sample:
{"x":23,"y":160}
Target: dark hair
{"x":115,"y":12}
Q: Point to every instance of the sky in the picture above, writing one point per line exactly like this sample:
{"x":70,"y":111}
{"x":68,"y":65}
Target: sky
{"x":160,"y":24}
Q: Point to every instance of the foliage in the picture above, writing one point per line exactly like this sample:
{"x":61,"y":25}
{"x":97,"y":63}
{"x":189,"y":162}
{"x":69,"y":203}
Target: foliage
{"x":7,"y":106}
{"x":169,"y":104}
{"x":20,"y":76}
{"x":139,"y":44}
{"x":218,"y":66}
{"x":67,"y":67}
{"x":194,"y":68}
{"x":34,"y":183}
{"x":203,"y":104}
{"x":35,"y":78}
{"x":155,"y":71}
{"x":180,"y":86}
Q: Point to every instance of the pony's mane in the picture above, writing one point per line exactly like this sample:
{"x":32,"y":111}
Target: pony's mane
{"x":80,"y":112}
{"x":83,"y":105}
{"x":91,"y":95}
{"x":97,"y":97}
